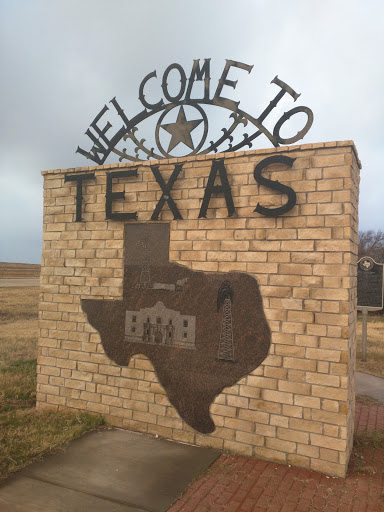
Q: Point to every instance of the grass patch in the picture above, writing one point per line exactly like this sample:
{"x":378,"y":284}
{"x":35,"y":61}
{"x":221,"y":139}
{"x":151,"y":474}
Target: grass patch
{"x":18,"y":324}
{"x":18,"y":385}
{"x":363,"y":439}
{"x":16,"y":303}
{"x":367,"y":400}
{"x":365,"y":445}
{"x":375,"y":346}
{"x":26,"y":434}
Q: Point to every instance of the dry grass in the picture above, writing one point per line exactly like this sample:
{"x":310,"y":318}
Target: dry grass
{"x":18,"y":324}
{"x":19,"y":270}
{"x":25,"y":433}
{"x":367,"y":400}
{"x":375,"y":346}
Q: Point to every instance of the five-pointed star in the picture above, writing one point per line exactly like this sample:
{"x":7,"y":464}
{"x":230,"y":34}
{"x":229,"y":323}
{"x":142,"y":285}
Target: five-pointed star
{"x":181,"y":130}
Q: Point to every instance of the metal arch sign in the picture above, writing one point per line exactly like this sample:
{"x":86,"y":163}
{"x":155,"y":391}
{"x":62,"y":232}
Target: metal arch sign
{"x":103,"y":143}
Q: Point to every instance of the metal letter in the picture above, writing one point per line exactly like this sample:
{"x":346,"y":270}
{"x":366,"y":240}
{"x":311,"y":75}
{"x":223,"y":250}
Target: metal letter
{"x":120,"y":111}
{"x":111,"y":196}
{"x":217,"y":165}
{"x":198,"y":74}
{"x":166,"y":189}
{"x":224,"y":81}
{"x":79,"y":178}
{"x":275,"y":185}
{"x":183,"y":81}
{"x":287,"y":115}
{"x":103,"y":145}
{"x":272,"y":104}
{"x":150,"y":106}
{"x":98,"y":146}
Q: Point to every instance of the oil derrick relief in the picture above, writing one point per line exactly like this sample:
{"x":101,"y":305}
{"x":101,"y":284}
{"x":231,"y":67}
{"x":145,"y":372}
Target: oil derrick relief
{"x":145,"y":276}
{"x":224,"y":300}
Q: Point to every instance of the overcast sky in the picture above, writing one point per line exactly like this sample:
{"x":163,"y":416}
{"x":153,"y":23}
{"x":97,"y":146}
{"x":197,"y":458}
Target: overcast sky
{"x":62,"y":60}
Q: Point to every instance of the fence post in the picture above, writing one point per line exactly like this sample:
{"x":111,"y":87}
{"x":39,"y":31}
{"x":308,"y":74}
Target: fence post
{"x":364,"y":340}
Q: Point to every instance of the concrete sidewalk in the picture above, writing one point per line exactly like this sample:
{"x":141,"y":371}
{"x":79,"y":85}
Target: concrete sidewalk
{"x":107,"y":471}
{"x":369,"y":385}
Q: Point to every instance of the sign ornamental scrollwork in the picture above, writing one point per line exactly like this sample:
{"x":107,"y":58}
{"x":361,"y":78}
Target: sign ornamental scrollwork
{"x":232,"y":139}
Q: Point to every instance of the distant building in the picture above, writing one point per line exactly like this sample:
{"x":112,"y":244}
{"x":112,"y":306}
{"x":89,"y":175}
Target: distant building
{"x":160,"y":326}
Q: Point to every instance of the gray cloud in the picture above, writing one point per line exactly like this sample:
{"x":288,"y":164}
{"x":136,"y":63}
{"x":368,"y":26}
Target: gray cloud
{"x":62,"y":61}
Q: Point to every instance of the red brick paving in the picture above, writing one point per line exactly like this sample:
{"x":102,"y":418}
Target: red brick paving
{"x":369,"y":417}
{"x":241,"y":484}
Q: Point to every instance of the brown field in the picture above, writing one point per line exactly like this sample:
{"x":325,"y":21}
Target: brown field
{"x":19,"y":270}
{"x":375,"y":346}
{"x":25,"y":433}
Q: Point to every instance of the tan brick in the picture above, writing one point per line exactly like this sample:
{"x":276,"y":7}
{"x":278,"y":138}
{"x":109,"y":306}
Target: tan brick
{"x":137,"y":426}
{"x":107,"y":390}
{"x":250,"y":391}
{"x":280,"y":445}
{"x":294,"y":387}
{"x":277,"y":396}
{"x":331,"y":430}
{"x":236,"y":447}
{"x":323,"y":355}
{"x":210,"y":442}
{"x":112,"y":400}
{"x":328,"y":442}
{"x":324,"y":380}
{"x":298,"y":460}
{"x":238,"y":424}
{"x":307,"y":401}
{"x":223,"y":410}
{"x":299,"y":364}
{"x":250,"y":439}
{"x":328,"y":160}
{"x":261,"y":405}
{"x":262,"y":382}
{"x":293,"y":410}
{"x":269,"y":454}
{"x":295,"y":436}
{"x":253,"y":416}
{"x":183,"y":437}
{"x":287,"y":350}
{"x":328,"y":392}
{"x":237,"y":401}
{"x":329,"y":417}
{"x":308,"y":450}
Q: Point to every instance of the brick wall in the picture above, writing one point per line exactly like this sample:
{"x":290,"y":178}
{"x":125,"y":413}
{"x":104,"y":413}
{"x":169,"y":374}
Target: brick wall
{"x":298,"y":406}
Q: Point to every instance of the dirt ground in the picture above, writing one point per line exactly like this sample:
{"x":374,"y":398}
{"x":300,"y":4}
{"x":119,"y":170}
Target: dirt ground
{"x":375,"y":346}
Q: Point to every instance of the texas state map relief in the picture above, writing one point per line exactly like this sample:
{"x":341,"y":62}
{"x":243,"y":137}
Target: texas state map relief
{"x":201,"y":331}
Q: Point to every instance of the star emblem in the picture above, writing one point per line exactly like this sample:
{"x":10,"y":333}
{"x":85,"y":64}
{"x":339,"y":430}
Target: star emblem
{"x":181,"y":130}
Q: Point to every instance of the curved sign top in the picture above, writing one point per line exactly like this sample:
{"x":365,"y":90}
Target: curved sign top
{"x":104,"y":143}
